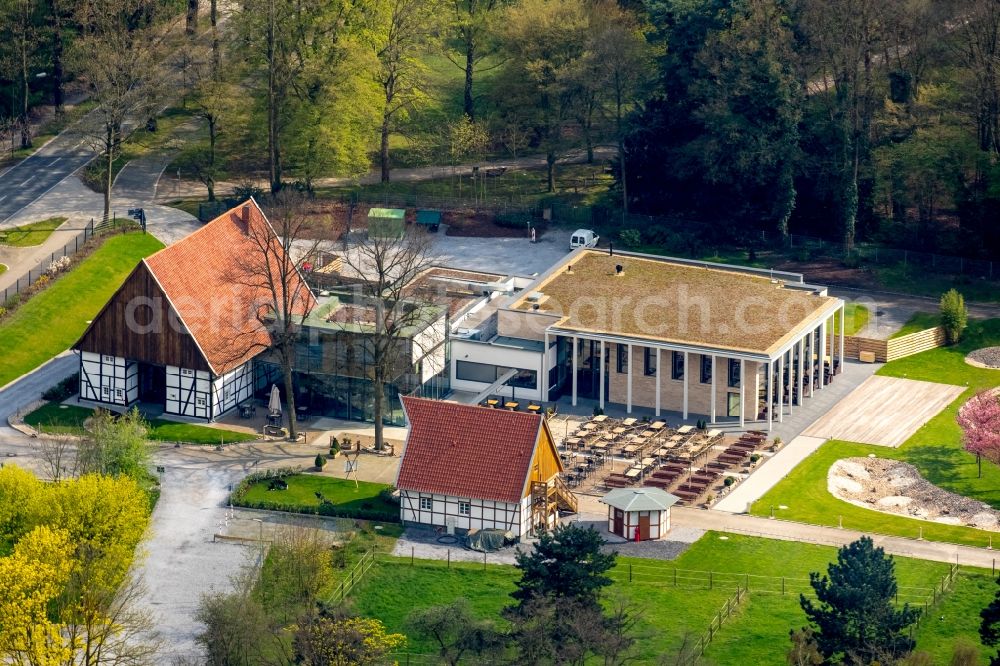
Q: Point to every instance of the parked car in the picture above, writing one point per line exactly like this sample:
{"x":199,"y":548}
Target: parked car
{"x":583,"y":238}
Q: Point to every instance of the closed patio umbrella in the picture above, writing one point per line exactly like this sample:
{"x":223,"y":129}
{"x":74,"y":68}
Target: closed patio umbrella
{"x":274,"y":404}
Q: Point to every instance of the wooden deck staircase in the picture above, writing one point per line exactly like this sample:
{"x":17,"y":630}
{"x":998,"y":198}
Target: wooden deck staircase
{"x":548,"y":497}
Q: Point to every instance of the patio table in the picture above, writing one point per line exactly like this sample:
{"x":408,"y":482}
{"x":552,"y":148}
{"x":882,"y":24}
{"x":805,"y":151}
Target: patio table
{"x":512,"y":406}
{"x":534,"y":408}
{"x":492,"y":402}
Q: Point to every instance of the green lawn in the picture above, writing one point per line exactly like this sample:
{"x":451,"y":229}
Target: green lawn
{"x":935,"y":449}
{"x":918,"y":322}
{"x":957,"y":617}
{"x":857,"y":318}
{"x":758,"y":632}
{"x":302,"y":489}
{"x":34,"y":233}
{"x":68,"y":419}
{"x":50,"y":322}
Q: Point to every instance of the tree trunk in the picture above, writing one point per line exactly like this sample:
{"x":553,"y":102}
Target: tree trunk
{"x":25,"y":95}
{"x":109,"y":145}
{"x":378,"y":393}
{"x":191,"y":20}
{"x":384,"y":149}
{"x":214,"y":19}
{"x":57,"y":59}
{"x":286,"y":367}
{"x":550,"y":163}
{"x":621,"y":164}
{"x":273,"y":164}
{"x":470,"y":65}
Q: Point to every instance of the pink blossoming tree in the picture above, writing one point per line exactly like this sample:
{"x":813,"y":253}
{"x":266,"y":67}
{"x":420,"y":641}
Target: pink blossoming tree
{"x":980,"y":422}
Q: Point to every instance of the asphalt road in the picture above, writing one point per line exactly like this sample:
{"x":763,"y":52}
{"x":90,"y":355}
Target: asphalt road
{"x":33,"y":177}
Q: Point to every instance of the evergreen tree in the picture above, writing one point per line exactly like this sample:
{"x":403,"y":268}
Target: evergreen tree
{"x":989,"y":630}
{"x":854,"y":617}
{"x":566,"y":563}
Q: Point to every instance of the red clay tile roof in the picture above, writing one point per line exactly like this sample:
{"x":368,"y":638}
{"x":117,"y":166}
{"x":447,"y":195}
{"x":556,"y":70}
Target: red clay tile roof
{"x":215,"y":278}
{"x":466,"y":450}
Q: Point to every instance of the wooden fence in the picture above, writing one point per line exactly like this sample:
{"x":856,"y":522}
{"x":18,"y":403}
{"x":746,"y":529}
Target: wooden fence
{"x":894,"y":348}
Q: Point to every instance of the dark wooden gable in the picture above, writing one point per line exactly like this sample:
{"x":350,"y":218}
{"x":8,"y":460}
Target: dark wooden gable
{"x":140,"y":324}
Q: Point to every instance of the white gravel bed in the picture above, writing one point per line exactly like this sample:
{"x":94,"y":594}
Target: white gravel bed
{"x":896,"y":487}
{"x":987,"y":357}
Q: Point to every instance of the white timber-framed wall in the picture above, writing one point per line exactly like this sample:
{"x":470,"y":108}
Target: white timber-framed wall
{"x":231,"y":389}
{"x":109,"y":379}
{"x":464,"y":513}
{"x":189,"y":392}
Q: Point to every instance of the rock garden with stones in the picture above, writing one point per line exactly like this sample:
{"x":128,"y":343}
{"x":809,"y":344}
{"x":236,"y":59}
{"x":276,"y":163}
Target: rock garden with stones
{"x":896,"y":487}
{"x":987,"y":357}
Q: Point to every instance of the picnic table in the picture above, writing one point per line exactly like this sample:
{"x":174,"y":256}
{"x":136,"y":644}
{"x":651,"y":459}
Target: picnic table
{"x":599,"y":444}
{"x":685,"y":429}
{"x":574,"y":441}
{"x":629,"y":421}
{"x":590,"y":426}
{"x":599,"y":418}
{"x":657,"y":425}
{"x":630,"y":449}
{"x":633,"y":472}
{"x":620,"y":431}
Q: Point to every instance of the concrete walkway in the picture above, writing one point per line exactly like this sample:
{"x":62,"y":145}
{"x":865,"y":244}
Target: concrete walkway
{"x":831,"y":536}
{"x":768,"y":474}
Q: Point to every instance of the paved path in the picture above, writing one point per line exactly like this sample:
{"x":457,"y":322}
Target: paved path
{"x":831,"y":536}
{"x":173,"y":189}
{"x":768,"y":474}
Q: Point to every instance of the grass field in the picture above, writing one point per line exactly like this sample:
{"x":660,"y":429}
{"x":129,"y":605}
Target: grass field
{"x":50,"y":322}
{"x":60,"y":419}
{"x":935,"y":449}
{"x":918,"y":322}
{"x":302,"y":489}
{"x":28,"y":235}
{"x":758,"y":632}
{"x":857,"y":318}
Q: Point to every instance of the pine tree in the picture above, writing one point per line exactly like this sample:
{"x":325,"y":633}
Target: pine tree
{"x":854,"y":616}
{"x":566,"y":563}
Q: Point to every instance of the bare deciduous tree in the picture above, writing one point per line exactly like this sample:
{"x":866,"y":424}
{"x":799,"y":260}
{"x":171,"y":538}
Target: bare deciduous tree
{"x":386,"y":264}
{"x":277,"y":296}
{"x":59,"y":457}
{"x":119,"y":60}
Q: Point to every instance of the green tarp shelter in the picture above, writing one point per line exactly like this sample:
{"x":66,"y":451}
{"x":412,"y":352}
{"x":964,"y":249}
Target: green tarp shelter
{"x":386,"y":222}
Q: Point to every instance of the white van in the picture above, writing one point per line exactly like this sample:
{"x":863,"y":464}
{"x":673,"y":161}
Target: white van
{"x":583,"y":238}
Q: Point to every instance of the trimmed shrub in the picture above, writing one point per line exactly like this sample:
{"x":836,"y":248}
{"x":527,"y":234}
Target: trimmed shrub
{"x":320,"y":461}
{"x":630,"y":237}
{"x":63,"y":390}
{"x":729,"y":481}
{"x":954,"y":315}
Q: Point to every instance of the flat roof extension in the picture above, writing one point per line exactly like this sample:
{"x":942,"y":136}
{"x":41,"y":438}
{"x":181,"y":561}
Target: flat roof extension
{"x":672,"y":301}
